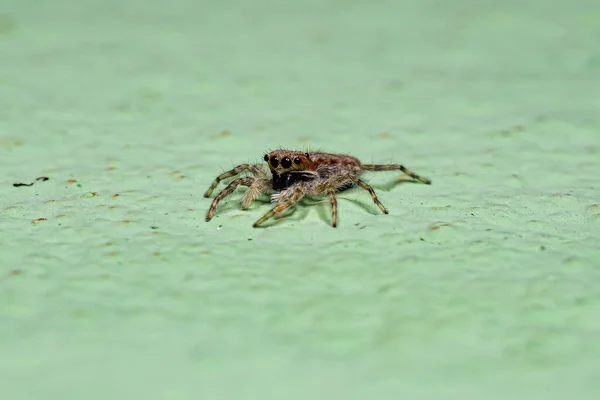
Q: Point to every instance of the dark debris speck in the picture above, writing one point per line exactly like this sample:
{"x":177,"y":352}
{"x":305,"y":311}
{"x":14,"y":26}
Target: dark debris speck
{"x":41,"y":179}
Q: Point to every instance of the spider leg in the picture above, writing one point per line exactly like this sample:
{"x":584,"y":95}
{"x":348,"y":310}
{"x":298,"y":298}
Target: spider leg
{"x":369,"y":189}
{"x":254,"y":168}
{"x":245,"y":181}
{"x":257,"y":188}
{"x":334,"y":183}
{"x":333,"y":208}
{"x":395,"y":167}
{"x":284,"y":201}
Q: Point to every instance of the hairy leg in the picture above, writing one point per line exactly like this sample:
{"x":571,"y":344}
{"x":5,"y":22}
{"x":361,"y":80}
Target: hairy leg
{"x":369,"y":189}
{"x":257,"y":188}
{"x":245,"y":181}
{"x":254,"y":168}
{"x":335,"y":183}
{"x":284,"y":201}
{"x":395,"y":167}
{"x":333,"y":208}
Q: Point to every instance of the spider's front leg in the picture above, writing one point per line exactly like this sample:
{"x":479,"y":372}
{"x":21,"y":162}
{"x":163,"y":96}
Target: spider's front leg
{"x":260,"y":186}
{"x":245,"y":181}
{"x":285,"y":200}
{"x":254,"y":168}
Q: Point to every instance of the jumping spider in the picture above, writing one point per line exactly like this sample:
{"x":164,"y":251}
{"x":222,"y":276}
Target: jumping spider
{"x":295,"y":174}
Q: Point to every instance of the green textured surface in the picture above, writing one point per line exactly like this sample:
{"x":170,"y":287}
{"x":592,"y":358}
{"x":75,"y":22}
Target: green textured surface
{"x":136,"y":296}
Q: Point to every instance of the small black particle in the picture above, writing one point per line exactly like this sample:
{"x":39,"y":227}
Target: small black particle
{"x":41,"y":178}
{"x":542,"y":248}
{"x":220,"y":226}
{"x":249,"y":239}
{"x":154,"y":227}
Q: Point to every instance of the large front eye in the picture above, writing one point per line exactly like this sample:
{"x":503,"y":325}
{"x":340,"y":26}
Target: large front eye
{"x":274,"y":162}
{"x":286,"y":163}
{"x":266,"y":157}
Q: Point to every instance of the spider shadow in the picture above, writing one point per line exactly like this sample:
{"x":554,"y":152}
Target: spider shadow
{"x":323,"y":209}
{"x":323,"y":206}
{"x":367,"y":203}
{"x":300,"y":210}
{"x":297,"y":212}
{"x":402,"y":180}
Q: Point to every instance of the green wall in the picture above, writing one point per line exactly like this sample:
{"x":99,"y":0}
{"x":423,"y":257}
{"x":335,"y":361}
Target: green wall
{"x":483,"y":285}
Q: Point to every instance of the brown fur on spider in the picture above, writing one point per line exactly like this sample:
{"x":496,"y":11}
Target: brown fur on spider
{"x":295,"y":174}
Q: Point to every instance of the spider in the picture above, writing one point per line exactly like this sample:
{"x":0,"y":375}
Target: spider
{"x":295,"y":174}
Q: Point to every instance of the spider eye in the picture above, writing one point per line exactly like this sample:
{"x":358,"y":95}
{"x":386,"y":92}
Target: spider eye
{"x":286,"y":163}
{"x":297,"y":161}
{"x":274,"y":162}
{"x":266,"y":157}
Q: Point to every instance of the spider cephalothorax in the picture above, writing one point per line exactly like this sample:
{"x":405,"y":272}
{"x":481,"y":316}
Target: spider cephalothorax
{"x":289,"y":167}
{"x":295,"y":174}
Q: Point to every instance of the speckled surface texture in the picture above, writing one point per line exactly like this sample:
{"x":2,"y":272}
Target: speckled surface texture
{"x":484,"y":285}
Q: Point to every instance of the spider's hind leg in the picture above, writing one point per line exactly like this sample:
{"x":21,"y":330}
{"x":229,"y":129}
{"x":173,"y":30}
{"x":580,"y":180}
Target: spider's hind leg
{"x":369,"y":189}
{"x":395,"y":167}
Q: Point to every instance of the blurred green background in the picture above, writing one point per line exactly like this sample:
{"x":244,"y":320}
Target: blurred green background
{"x":484,"y":285}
